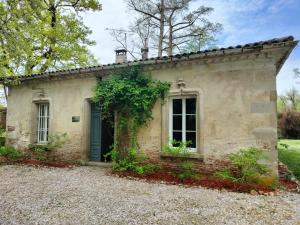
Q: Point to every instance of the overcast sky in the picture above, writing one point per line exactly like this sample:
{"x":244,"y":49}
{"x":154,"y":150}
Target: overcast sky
{"x":244,"y":21}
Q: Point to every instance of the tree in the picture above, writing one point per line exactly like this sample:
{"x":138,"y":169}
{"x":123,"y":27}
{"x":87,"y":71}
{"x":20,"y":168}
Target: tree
{"x":40,"y":35}
{"x":199,"y":43}
{"x":174,"y":24}
{"x":297,"y":73}
{"x":293,"y":97}
{"x":290,"y":101}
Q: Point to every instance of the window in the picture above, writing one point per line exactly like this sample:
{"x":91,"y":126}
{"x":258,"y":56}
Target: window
{"x":183,"y":120}
{"x":43,"y":123}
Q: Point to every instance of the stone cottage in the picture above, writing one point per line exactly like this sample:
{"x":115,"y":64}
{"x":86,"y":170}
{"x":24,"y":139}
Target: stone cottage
{"x":221,"y":100}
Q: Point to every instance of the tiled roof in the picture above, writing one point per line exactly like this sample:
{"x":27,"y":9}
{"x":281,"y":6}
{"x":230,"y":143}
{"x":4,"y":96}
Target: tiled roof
{"x":184,"y":56}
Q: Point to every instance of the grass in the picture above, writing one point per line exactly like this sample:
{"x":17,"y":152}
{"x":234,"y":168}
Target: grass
{"x":289,"y":154}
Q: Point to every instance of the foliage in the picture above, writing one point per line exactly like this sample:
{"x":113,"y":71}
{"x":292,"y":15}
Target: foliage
{"x":135,"y":161}
{"x":289,"y":124}
{"x":131,"y":94}
{"x":36,"y":36}
{"x":42,"y":151}
{"x":178,"y":148}
{"x":289,"y":154}
{"x":290,"y":101}
{"x":11,"y":153}
{"x":187,"y":171}
{"x":245,"y":166}
{"x":2,"y":136}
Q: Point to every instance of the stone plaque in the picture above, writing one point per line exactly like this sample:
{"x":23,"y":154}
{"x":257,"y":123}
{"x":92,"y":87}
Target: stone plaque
{"x":75,"y":119}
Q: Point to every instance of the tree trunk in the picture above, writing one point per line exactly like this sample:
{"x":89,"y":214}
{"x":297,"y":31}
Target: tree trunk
{"x":122,"y":136}
{"x":161,"y":28}
{"x":5,"y":93}
{"x":170,"y":41}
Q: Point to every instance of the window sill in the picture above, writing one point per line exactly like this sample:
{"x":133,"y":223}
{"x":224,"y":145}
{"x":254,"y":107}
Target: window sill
{"x":192,"y":155}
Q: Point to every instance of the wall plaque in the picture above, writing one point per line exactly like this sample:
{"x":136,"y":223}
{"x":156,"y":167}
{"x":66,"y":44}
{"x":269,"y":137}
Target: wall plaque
{"x":75,"y":119}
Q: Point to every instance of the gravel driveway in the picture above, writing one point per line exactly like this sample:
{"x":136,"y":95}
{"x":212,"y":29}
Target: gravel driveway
{"x":86,"y":195}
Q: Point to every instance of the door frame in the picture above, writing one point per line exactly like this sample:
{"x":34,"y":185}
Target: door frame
{"x":95,"y":145}
{"x":87,"y":127}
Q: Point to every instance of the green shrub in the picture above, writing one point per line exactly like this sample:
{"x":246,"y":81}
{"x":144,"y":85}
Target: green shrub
{"x":2,"y":136}
{"x":135,"y":161}
{"x":187,"y":171}
{"x":42,"y":151}
{"x":179,"y":149}
{"x":290,"y":156}
{"x":11,"y":153}
{"x":289,"y":124}
{"x":244,"y":166}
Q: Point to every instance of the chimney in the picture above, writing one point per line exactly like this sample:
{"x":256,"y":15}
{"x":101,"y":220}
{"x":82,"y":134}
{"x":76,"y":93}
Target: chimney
{"x":144,"y":52}
{"x":121,"y":56}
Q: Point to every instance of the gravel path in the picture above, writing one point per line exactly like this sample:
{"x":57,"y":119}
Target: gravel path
{"x":86,"y":195}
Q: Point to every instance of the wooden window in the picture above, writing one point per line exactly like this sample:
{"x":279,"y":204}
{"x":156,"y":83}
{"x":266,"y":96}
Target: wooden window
{"x":183,"y":121}
{"x":43,"y":123}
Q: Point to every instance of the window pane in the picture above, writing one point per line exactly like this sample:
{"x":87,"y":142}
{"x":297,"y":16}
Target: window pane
{"x":177,"y":122}
{"x":43,"y":122}
{"x":177,"y":136}
{"x":191,"y":105}
{"x":177,"y":106}
{"x":191,"y":136}
{"x":191,"y":123}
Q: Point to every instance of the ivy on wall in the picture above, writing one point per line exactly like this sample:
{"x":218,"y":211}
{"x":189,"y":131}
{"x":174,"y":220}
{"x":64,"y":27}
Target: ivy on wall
{"x":131,"y":94}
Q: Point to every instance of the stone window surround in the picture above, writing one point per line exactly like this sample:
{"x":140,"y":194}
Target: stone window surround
{"x":198,"y":93}
{"x":34,"y":116}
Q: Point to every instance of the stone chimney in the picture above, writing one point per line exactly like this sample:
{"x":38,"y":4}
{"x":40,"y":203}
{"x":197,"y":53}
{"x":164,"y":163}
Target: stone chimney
{"x":121,"y":56}
{"x":144,"y":52}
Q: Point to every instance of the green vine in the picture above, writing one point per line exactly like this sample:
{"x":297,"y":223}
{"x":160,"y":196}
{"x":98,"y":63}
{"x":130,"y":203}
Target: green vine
{"x":131,"y":94}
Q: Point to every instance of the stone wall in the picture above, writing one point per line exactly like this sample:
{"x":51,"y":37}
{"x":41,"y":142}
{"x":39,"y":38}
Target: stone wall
{"x":236,"y":96}
{"x":67,"y":98}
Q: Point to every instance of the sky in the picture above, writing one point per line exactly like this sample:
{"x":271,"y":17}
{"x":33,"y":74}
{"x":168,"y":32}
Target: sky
{"x":244,"y":21}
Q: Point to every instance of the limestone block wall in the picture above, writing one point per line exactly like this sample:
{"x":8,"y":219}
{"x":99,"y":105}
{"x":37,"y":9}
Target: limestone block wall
{"x":237,"y":101}
{"x":67,"y":98}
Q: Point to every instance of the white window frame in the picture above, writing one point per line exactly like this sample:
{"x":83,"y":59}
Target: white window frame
{"x":43,"y":123}
{"x":183,"y":98}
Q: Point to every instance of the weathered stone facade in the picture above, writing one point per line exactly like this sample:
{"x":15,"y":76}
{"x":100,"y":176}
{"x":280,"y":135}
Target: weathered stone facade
{"x":236,"y":98}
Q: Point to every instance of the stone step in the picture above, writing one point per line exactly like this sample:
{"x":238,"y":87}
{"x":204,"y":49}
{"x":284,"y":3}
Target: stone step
{"x":99,"y":164}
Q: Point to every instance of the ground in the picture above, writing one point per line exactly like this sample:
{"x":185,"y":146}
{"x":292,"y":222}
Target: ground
{"x":289,"y":154}
{"x":88,"y":195}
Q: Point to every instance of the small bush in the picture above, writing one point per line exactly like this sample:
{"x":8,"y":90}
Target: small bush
{"x":135,"y":161}
{"x":178,"y":148}
{"x":42,"y":151}
{"x":289,"y":124}
{"x":187,"y":171}
{"x":290,"y":157}
{"x":244,"y":166}
{"x":11,"y":153}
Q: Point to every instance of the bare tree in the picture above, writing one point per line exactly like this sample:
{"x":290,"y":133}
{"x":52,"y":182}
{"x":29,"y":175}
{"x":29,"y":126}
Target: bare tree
{"x":293,"y":97}
{"x":183,"y":24}
{"x":154,"y":11}
{"x":174,"y":23}
{"x":135,"y":40}
{"x":297,"y":74}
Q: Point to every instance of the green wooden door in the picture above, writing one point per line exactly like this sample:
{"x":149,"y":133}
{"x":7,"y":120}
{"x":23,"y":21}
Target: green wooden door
{"x":95,"y":133}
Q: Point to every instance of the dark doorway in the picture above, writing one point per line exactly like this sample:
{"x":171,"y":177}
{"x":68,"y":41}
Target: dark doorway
{"x":101,"y":135}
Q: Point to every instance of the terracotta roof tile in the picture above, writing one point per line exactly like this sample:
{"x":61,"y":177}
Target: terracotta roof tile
{"x":155,"y":59}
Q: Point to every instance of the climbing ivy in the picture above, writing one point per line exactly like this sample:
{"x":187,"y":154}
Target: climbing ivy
{"x":131,"y":94}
